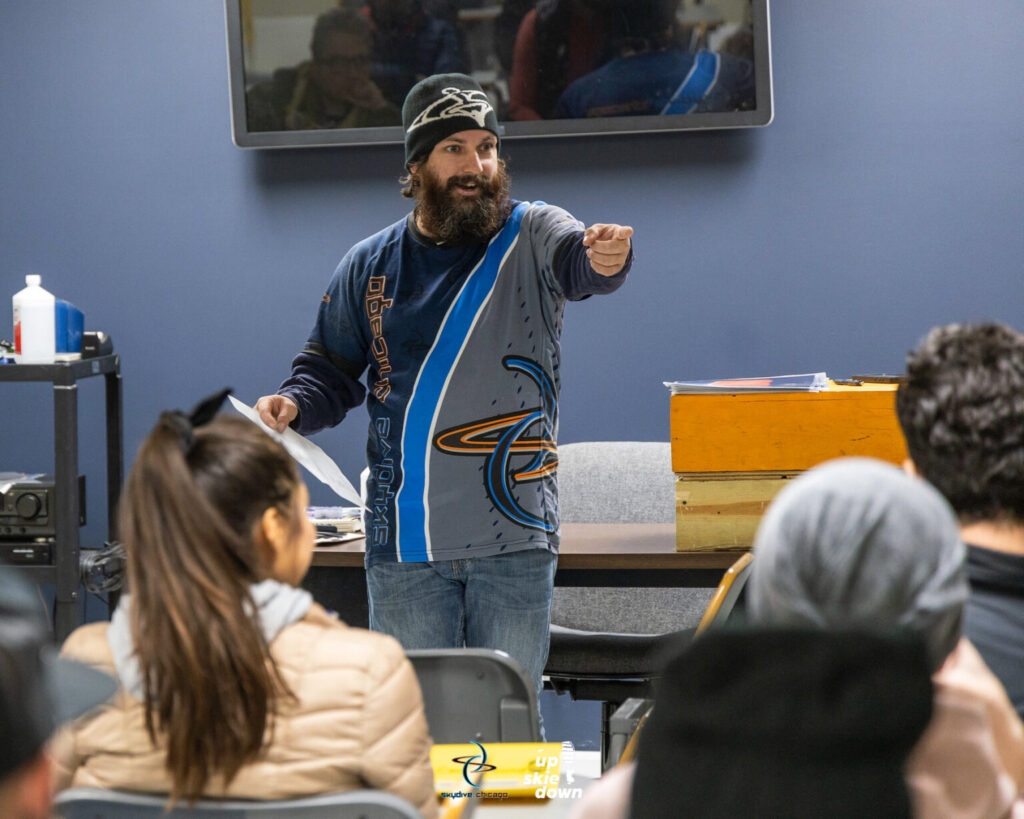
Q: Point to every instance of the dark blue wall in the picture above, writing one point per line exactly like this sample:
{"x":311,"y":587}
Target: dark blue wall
{"x":885,"y":198}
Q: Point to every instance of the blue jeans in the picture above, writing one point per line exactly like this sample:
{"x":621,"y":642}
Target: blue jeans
{"x":502,"y":601}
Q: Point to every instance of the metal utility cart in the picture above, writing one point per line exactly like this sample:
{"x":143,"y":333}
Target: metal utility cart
{"x":64,"y":569}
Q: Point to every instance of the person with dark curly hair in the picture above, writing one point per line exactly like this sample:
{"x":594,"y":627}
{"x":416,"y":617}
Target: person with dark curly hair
{"x":962,"y":413}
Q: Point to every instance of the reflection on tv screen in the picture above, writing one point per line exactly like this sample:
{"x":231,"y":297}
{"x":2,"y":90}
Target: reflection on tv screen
{"x":348,"y":64}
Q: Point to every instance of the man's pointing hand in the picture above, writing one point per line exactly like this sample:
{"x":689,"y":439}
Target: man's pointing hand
{"x":607,"y":247}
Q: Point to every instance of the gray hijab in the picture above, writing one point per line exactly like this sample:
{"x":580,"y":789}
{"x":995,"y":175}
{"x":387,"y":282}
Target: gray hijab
{"x":858,"y":543}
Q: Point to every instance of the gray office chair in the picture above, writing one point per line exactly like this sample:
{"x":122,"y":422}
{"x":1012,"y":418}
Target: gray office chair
{"x":607,"y":643}
{"x":94,"y":803}
{"x":475,"y":694}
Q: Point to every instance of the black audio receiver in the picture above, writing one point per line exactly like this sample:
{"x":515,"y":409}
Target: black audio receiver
{"x":26,"y":553}
{"x":28,"y":506}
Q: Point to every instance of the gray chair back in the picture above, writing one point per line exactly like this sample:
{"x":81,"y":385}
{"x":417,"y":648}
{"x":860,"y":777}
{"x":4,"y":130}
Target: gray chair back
{"x":616,"y":482}
{"x":475,"y":694}
{"x":621,"y":482}
{"x":94,"y":803}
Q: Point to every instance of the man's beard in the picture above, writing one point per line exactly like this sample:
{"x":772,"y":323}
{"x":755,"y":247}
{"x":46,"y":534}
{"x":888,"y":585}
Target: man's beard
{"x":454,"y":219}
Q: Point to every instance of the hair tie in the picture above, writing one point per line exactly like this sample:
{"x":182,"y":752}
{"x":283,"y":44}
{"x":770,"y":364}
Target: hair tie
{"x":200,"y":415}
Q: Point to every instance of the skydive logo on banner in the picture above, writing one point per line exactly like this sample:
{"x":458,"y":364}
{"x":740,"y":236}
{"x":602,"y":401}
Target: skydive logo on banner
{"x":479,"y":763}
{"x":500,"y":438}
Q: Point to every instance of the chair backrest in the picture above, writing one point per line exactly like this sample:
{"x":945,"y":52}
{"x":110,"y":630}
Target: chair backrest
{"x":94,"y":803}
{"x":621,"y":482}
{"x":616,"y":482}
{"x":727,"y":593}
{"x":476,"y":694}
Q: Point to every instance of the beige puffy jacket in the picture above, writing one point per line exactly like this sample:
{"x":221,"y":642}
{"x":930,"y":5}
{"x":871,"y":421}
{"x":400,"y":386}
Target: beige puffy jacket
{"x":358,"y":723}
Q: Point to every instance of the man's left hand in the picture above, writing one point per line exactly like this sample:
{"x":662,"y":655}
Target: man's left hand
{"x":607,"y":247}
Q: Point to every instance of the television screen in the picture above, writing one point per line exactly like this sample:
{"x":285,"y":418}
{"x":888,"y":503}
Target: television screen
{"x":335,"y":72}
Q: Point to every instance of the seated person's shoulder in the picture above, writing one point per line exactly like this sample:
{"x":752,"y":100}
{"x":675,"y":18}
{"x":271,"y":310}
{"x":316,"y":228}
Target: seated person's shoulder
{"x":965,"y":672}
{"x":965,"y":680}
{"x":88,"y":644}
{"x":326,"y":641}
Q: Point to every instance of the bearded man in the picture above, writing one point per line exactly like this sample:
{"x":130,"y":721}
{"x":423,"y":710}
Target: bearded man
{"x":456,"y":311}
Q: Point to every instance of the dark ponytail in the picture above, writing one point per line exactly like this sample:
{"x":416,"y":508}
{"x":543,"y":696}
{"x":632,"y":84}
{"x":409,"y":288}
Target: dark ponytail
{"x":189,"y":518}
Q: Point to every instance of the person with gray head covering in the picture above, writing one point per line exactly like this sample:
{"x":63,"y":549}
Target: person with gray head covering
{"x":857,"y":543}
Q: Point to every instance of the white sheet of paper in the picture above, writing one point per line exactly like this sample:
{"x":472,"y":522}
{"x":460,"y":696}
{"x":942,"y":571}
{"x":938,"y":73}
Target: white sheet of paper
{"x":308,"y":454}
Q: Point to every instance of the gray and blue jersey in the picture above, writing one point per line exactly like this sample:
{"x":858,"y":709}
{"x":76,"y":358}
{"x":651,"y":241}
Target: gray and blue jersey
{"x":460,"y":346}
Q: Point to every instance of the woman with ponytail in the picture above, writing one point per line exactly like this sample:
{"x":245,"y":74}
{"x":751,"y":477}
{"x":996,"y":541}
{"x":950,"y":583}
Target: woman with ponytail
{"x":234,"y":683}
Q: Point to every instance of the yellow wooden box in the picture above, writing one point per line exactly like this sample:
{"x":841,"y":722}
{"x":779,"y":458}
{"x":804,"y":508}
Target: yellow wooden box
{"x":783,"y":431}
{"x":733,"y":452}
{"x":721,"y":510}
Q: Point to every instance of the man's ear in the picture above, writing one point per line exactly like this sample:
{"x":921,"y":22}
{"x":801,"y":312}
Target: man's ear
{"x":910,"y":468}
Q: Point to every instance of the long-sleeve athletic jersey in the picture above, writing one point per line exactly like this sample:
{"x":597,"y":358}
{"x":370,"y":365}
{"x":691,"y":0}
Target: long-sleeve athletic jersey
{"x":461,"y":345}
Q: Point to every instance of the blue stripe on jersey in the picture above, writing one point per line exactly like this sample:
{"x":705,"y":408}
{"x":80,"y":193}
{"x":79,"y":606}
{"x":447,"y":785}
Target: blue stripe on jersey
{"x":696,"y":85}
{"x":411,"y":535}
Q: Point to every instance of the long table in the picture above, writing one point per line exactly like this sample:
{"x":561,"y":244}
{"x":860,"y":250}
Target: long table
{"x":590,"y":554}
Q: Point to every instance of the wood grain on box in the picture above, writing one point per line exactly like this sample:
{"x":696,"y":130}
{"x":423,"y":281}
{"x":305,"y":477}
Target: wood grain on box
{"x":722,"y":510}
{"x":757,"y":432}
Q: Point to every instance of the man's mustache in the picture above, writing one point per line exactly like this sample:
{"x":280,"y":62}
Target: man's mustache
{"x":477,"y":179}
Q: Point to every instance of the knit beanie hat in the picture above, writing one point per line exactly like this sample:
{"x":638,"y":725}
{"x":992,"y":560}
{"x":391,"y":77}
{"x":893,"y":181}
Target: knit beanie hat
{"x":796,"y":723}
{"x":442,"y":105}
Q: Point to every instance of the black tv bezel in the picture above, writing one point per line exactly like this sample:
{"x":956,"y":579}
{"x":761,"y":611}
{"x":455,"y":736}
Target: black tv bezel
{"x":762,"y":115}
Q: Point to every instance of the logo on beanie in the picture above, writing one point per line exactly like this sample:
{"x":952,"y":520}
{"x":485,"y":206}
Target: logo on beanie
{"x":455,"y":102}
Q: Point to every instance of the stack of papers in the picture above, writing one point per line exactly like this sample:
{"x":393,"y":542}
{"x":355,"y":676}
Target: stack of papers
{"x":805,"y":382}
{"x":335,"y":519}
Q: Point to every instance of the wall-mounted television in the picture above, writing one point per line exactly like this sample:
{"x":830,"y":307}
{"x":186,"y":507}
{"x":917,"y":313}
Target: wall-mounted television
{"x":306,"y":73}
